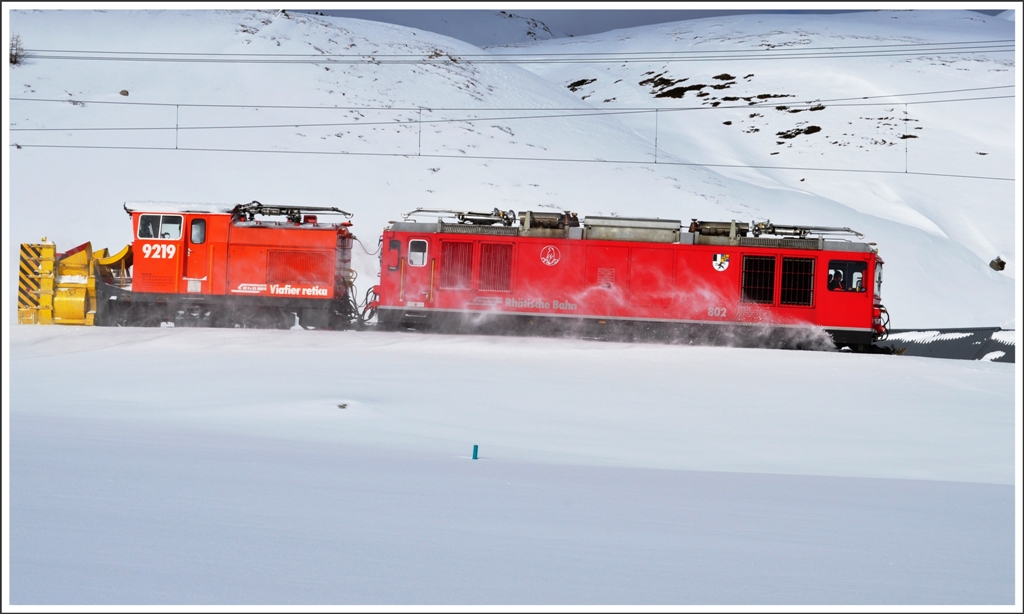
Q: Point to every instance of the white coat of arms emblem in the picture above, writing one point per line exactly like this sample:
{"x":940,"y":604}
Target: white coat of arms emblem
{"x":720,"y":262}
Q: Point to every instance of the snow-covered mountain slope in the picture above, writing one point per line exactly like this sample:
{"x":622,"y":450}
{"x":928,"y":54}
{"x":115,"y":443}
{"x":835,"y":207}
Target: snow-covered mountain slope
{"x":403,"y":118}
{"x":481,"y":28}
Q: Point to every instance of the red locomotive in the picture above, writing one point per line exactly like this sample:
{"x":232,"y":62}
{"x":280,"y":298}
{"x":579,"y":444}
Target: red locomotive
{"x":222,"y":265}
{"x":629,"y":277}
{"x":535,"y":273}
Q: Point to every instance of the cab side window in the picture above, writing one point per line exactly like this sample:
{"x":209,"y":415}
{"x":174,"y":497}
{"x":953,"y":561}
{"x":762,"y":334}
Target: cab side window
{"x":417,"y":252}
{"x":170,"y":227}
{"x":198,"y":233}
{"x":160,"y":227}
{"x":149,"y":226}
{"x":846,"y":276}
{"x":395,"y":247}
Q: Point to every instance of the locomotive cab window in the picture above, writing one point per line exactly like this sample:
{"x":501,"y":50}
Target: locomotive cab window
{"x":417,"y":252}
{"x":395,"y":247}
{"x":198,"y":232}
{"x":846,"y":275}
{"x":160,"y":227}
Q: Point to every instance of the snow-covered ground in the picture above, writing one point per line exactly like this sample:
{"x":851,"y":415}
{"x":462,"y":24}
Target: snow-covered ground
{"x":550,"y":400}
{"x":212,"y":466}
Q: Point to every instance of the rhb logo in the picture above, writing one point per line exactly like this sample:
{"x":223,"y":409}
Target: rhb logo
{"x":550,"y":255}
{"x":250,"y":288}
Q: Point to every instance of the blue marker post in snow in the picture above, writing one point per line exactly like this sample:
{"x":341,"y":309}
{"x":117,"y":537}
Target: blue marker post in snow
{"x":476,"y":448}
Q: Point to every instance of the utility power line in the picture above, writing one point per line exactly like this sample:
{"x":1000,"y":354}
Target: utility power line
{"x":507,"y":158}
{"x":412,"y":122}
{"x":438,"y":57}
{"x":326,"y":61}
{"x":435,"y":52}
{"x":562,"y":113}
{"x":766,"y":102}
{"x":454,"y":120}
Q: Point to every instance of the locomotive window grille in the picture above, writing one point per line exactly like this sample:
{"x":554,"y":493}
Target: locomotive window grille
{"x":198,"y":232}
{"x":846,"y":275}
{"x":160,"y":227}
{"x":496,"y":267}
{"x":758,"y":279}
{"x":456,"y":265}
{"x":295,"y":267}
{"x":417,"y":252}
{"x":797,"y":281}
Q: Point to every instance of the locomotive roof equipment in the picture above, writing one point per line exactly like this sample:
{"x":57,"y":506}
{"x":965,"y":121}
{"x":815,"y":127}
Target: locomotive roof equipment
{"x":505,"y":218}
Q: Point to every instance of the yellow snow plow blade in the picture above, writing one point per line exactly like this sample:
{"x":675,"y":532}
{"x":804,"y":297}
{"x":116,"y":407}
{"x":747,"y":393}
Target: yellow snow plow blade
{"x":35,"y":283}
{"x":119,"y":258}
{"x":61,"y":288}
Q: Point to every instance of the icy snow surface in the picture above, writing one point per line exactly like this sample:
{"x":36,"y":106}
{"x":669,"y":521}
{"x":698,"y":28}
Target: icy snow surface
{"x":550,"y":400}
{"x":926,"y":336}
{"x":72,"y":279}
{"x":1005,"y":336}
{"x":180,"y":207}
{"x":216,"y":466}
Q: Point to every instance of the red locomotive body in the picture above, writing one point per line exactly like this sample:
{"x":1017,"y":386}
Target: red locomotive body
{"x":218,"y":265}
{"x":638,"y":277}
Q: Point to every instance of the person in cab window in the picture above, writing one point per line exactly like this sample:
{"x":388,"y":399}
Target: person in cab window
{"x":836,"y":283}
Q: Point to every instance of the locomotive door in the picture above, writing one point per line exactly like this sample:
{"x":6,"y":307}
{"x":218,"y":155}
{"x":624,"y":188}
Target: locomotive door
{"x":650,"y":277}
{"x":417,"y":284}
{"x":158,"y":253}
{"x":197,"y":256}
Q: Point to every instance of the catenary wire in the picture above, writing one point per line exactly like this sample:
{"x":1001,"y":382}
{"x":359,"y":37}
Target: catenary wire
{"x":413,"y":122}
{"x":571,"y":54}
{"x":325,"y":60}
{"x":506,"y":158}
{"x":434,"y":108}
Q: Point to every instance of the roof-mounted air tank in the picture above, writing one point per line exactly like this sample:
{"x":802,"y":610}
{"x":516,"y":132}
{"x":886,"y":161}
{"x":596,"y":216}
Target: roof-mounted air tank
{"x":631,"y":229}
{"x":719,"y":229}
{"x":548,"y":224}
